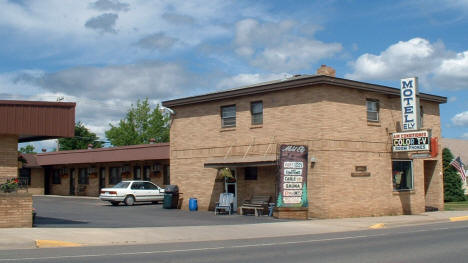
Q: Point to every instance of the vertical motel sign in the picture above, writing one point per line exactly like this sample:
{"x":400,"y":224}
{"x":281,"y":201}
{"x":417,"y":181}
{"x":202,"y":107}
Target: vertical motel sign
{"x":410,"y":104}
{"x":292,"y":181}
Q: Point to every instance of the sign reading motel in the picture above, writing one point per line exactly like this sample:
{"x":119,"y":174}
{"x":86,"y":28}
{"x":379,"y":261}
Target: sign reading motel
{"x":410,"y":104}
{"x":411,"y":141}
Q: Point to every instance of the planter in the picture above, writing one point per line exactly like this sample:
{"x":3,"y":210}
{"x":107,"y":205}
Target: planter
{"x":15,"y":210}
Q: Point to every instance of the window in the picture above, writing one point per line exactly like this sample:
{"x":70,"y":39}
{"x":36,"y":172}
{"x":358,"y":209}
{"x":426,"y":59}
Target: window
{"x":250,"y":173}
{"x":83,"y":177}
{"x":256,"y":109}
{"x":56,"y":177}
{"x":147,"y":173}
{"x":150,"y":186}
{"x":421,"y":115}
{"x":24,"y":176}
{"x":402,"y":174}
{"x":372,"y":110}
{"x":228,"y":116}
{"x":137,"y":186}
{"x":137,"y":173}
{"x":115,"y":175}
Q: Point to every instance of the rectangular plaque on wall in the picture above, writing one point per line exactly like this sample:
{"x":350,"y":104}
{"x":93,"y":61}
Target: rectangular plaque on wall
{"x":292,"y":186}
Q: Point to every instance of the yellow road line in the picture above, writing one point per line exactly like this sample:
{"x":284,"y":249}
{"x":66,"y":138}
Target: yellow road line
{"x":56,"y":243}
{"x":458,"y":218}
{"x":377,"y":226}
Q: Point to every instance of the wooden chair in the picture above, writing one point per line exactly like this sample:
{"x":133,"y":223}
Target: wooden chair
{"x":258,"y":203}
{"x":226,"y":202}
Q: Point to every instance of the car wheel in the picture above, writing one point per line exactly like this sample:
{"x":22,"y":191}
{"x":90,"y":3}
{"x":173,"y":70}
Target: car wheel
{"x":129,"y":200}
{"x":115,"y":203}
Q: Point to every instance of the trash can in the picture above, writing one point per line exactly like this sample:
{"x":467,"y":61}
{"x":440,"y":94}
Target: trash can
{"x":171,"y":197}
{"x":193,"y":204}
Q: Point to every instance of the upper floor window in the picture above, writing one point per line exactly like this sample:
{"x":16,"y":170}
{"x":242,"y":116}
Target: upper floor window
{"x":256,"y":109}
{"x":228,"y":116}
{"x":372,"y":110}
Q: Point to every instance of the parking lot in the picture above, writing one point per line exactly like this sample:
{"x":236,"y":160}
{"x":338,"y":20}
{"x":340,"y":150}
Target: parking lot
{"x":58,"y":211}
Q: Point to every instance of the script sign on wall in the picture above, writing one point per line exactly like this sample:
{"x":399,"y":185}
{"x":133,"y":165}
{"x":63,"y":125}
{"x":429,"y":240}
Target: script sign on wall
{"x":411,"y":141}
{"x":292,"y":184}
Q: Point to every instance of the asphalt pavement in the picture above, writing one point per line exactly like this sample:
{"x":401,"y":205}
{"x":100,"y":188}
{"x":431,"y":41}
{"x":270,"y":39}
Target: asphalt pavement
{"x":437,"y":242}
{"x":85,"y":212}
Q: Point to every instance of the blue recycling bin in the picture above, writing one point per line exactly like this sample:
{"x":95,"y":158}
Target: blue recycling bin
{"x":193,"y":204}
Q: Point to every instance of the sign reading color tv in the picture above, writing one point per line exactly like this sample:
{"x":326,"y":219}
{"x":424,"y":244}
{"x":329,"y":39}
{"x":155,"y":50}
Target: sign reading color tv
{"x":292,"y":186}
{"x":411,"y":141}
{"x":410,"y":104}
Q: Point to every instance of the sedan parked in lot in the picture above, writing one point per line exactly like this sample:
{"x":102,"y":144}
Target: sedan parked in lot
{"x":130,"y":192}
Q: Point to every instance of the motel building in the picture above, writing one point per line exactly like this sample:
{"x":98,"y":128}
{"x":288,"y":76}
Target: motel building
{"x":85,"y":172}
{"x":317,"y":145}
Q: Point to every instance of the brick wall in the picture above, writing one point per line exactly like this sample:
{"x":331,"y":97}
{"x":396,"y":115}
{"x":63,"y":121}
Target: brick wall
{"x":15,"y":210}
{"x":8,"y":157}
{"x":92,"y":188}
{"x":37,"y":181}
{"x":332,"y":122}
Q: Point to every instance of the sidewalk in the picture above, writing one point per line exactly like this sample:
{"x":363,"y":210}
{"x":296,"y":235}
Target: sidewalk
{"x":17,"y":238}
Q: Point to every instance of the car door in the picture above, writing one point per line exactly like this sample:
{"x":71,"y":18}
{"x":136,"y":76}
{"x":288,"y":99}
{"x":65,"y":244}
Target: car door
{"x":153,"y":191}
{"x":138,"y":190}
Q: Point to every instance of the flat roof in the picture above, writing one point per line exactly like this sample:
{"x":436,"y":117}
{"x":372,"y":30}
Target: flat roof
{"x":37,"y":120}
{"x":141,"y":152}
{"x":294,"y":82}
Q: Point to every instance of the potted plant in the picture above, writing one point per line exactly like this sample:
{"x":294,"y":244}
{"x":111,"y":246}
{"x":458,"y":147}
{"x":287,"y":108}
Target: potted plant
{"x":11,"y":185}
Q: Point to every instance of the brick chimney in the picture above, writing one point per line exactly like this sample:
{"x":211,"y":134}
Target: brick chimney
{"x":152,"y":141}
{"x":327,"y":71}
{"x":90,"y":146}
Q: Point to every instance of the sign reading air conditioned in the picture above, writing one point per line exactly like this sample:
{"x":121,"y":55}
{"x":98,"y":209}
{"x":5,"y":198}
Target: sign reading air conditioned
{"x":411,"y":141}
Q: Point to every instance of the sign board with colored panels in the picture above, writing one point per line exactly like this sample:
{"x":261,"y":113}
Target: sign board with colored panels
{"x":292,"y":186}
{"x":411,"y":141}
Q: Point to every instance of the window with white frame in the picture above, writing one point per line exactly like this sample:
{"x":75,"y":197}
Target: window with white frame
{"x":228,"y":116}
{"x":372,"y":110}
{"x":402,"y":175}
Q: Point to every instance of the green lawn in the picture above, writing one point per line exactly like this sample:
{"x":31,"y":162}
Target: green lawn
{"x":454,"y":206}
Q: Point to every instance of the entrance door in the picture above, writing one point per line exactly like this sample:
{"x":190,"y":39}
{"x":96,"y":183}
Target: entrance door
{"x":230,"y":186}
{"x":72,"y":181}
{"x":102,"y":178}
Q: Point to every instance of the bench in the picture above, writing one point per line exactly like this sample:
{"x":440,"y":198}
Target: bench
{"x":258,"y":203}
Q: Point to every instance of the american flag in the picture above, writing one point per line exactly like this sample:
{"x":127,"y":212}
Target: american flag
{"x":459,"y":166}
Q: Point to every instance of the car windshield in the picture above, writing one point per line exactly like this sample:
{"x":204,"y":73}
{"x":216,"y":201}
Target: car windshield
{"x":121,"y":185}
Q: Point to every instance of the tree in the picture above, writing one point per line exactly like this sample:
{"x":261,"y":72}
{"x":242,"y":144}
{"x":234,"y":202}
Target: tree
{"x":453,"y":190}
{"x":82,"y":138}
{"x":27,"y":149}
{"x":139,"y":126}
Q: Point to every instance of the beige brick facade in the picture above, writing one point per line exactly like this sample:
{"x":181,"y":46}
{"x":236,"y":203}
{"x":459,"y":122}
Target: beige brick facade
{"x":8,"y":157}
{"x":92,"y":188}
{"x":15,"y":210}
{"x":332,"y":122}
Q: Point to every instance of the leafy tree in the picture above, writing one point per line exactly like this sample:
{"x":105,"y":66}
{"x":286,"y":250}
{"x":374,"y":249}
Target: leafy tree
{"x":140,"y":125}
{"x":453,"y":190}
{"x":27,"y":149}
{"x":82,"y":138}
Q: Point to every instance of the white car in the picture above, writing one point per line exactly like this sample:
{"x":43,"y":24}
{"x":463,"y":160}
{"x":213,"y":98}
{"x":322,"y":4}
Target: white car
{"x":130,"y":192}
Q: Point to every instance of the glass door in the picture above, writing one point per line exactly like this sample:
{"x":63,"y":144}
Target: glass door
{"x":230,"y":186}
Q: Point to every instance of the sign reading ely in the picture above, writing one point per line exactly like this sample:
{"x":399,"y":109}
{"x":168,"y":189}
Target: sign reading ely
{"x":410,"y":104}
{"x":292,"y":184}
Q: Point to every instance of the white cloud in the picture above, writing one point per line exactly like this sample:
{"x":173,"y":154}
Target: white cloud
{"x":431,"y":62}
{"x":461,"y":119}
{"x":278,"y":47}
{"x":465,"y":136}
{"x":104,"y":23}
{"x":249,"y":79}
{"x":156,"y":41}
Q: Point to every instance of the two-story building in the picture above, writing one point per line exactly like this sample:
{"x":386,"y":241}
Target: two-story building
{"x":346,"y":126}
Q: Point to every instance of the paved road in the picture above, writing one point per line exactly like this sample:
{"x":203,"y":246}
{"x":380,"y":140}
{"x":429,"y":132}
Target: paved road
{"x":54,"y":211}
{"x":445,"y":242}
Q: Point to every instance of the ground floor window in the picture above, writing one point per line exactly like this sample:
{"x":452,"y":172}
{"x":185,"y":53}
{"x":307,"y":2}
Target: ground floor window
{"x":147,"y":173}
{"x":56,"y":177}
{"x":83,"y":177}
{"x":115,"y":175}
{"x":25,"y":176}
{"x":402,"y":172}
{"x":137,"y":172}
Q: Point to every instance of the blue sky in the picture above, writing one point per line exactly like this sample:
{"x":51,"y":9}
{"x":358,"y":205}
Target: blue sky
{"x":106,"y":54}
